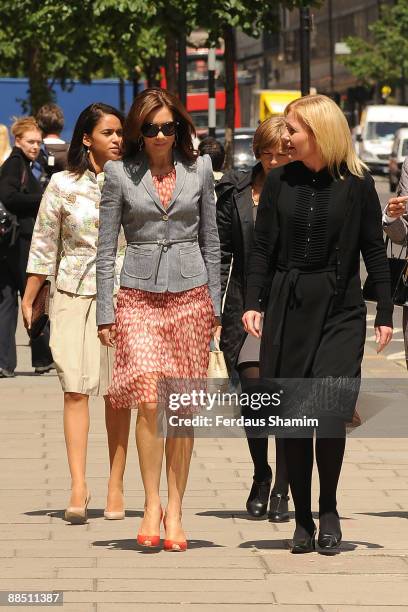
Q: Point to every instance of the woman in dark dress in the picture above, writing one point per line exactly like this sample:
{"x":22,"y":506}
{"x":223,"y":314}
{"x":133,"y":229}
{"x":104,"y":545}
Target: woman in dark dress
{"x":315,"y":217}
{"x":237,"y":204}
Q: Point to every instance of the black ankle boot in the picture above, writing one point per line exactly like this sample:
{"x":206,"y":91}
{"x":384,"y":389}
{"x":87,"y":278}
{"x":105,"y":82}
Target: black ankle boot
{"x":257,"y":502}
{"x":329,"y":530}
{"x":303,"y":541}
{"x":278,"y":508}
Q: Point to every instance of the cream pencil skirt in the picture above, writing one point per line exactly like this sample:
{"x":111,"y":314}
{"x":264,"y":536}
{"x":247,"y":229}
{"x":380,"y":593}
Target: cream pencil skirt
{"x":82,"y":363}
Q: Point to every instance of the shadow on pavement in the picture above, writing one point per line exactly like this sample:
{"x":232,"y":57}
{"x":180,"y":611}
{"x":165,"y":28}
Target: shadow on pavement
{"x":92,"y":513}
{"x":390,"y":514}
{"x":52,"y":374}
{"x":345,"y":546}
{"x":242,"y":514}
{"x":133,"y":545}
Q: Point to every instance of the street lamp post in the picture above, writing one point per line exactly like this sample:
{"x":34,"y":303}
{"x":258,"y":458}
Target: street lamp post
{"x":182,"y":69}
{"x":304,"y":14}
{"x":212,"y":112}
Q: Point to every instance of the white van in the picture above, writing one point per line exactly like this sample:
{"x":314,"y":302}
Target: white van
{"x":375,"y":135}
{"x":398,"y":154}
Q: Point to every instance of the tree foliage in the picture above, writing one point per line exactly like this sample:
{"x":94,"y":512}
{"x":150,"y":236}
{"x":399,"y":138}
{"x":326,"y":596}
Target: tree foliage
{"x":41,"y":38}
{"x":83,"y":39}
{"x":384,"y":58}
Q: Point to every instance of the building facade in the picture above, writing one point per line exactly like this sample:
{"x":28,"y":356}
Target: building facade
{"x":273,"y":61}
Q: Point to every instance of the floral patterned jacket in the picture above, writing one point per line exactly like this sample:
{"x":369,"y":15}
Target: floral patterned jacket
{"x":65,"y":236}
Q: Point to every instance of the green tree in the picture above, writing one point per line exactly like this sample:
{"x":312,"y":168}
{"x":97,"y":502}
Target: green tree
{"x":221,"y":18}
{"x":383,"y":60}
{"x":53,"y":41}
{"x":127,"y":45}
{"x":41,"y":39}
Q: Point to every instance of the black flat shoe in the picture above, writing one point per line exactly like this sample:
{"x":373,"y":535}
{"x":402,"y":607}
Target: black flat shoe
{"x":278,"y":508}
{"x":302,"y":541}
{"x":329,"y":531}
{"x":257,"y":502}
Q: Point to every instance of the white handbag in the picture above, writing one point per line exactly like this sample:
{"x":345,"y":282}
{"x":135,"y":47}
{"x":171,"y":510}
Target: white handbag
{"x":216,"y":365}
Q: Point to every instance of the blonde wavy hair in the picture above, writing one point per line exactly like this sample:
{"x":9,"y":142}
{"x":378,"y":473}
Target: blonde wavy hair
{"x":325,"y":120}
{"x":268,"y":135}
{"x":5,"y":147}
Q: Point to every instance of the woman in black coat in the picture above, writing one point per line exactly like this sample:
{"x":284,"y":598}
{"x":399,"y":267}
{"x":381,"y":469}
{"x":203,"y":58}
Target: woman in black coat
{"x":238,"y":195}
{"x":20,"y":193}
{"x":315,"y":217}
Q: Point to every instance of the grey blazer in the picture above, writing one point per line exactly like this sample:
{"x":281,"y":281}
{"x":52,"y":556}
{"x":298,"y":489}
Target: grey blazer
{"x":169,"y":249}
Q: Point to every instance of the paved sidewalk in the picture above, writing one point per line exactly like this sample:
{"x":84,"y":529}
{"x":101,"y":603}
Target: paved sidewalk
{"x":233,"y":562}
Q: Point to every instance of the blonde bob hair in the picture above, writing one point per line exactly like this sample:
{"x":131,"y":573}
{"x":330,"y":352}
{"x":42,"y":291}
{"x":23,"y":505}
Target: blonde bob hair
{"x":325,"y":120}
{"x":21,"y":125}
{"x":268,"y":135}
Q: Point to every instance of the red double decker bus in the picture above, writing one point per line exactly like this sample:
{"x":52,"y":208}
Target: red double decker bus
{"x":197,"y":89}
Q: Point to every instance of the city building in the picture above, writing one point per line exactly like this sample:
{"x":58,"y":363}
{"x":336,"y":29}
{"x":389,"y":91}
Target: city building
{"x":273,"y":61}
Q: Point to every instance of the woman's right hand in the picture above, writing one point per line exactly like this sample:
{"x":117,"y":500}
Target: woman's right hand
{"x":252,"y":322}
{"x":107,"y":334}
{"x":396,"y":207}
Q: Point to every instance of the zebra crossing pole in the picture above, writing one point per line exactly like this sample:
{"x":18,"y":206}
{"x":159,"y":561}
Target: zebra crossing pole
{"x":212,"y":113}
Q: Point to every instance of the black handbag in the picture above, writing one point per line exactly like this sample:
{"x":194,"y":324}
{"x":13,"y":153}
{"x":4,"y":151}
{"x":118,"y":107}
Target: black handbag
{"x":399,"y":279}
{"x":8,"y":228}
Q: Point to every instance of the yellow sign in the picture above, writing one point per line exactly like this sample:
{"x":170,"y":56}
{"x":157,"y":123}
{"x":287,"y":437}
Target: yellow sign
{"x":385,"y":91}
{"x":273,"y":102}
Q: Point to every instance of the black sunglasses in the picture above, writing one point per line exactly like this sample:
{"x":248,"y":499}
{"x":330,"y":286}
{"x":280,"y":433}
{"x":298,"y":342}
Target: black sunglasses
{"x":150,"y":130}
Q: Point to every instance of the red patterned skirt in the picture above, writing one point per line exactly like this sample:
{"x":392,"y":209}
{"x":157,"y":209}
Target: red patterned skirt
{"x":159,"y":336}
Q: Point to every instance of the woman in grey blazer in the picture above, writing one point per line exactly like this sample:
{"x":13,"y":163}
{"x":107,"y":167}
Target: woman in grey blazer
{"x":169,"y":302}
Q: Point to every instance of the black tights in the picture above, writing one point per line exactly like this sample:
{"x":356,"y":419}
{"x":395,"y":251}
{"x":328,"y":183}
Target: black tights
{"x":258,"y":447}
{"x":299,"y":461}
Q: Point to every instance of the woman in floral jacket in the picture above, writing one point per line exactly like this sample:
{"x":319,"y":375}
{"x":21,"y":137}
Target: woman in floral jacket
{"x":64,"y":245}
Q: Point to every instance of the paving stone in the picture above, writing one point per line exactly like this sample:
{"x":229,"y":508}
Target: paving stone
{"x":345,"y":590}
{"x":252,"y":598}
{"x":49,"y":584}
{"x":208,"y":607}
{"x":233,"y":562}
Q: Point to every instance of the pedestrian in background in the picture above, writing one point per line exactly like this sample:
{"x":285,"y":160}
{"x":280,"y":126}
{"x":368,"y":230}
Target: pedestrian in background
{"x":163,"y":195}
{"x":316,"y":215}
{"x":20,"y":193}
{"x":237,"y":205}
{"x":54,"y":150}
{"x":5,"y":148}
{"x":64,"y":245}
{"x":395,"y":225}
{"x":213,"y":147}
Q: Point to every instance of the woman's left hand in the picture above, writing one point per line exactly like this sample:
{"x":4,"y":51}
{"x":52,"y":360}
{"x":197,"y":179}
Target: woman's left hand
{"x":107,"y":334}
{"x":383,"y":335}
{"x":216,"y":329}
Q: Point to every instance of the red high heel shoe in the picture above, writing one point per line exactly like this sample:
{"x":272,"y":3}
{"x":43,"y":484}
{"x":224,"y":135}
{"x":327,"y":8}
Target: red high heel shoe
{"x":149,"y":541}
{"x":171,"y":545}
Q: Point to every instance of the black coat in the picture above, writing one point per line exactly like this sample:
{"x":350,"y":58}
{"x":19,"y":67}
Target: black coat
{"x":236,"y":231}
{"x":20,"y":192}
{"x":355,"y":213}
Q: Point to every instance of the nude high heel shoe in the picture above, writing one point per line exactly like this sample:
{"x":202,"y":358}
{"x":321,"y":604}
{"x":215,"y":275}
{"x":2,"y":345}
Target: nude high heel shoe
{"x":114,"y":515}
{"x":78,"y":515}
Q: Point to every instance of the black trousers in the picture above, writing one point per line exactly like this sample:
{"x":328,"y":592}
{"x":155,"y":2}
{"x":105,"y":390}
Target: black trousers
{"x":13,"y":264}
